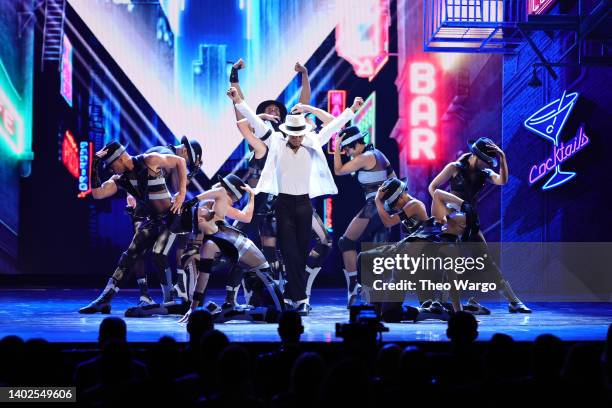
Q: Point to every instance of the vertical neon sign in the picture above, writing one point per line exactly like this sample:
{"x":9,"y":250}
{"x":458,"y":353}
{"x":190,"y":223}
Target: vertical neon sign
{"x":85,"y":158}
{"x":423,"y":141}
{"x":70,"y":154}
{"x":365,"y":119}
{"x":66,"y":72}
{"x":336,"y":104}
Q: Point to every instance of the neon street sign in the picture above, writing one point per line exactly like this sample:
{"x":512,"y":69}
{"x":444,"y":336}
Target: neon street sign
{"x":538,"y":6}
{"x":66,"y":71}
{"x":365,"y":119}
{"x":560,"y":154}
{"x":336,"y":104}
{"x":85,"y":159}
{"x":362,"y":36}
{"x":423,"y":112}
{"x":11,"y":124}
{"x":327,"y":214}
{"x":548,"y":123}
{"x":70,"y":154}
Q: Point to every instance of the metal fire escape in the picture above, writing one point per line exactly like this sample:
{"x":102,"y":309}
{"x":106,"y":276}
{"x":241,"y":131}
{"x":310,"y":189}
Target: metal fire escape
{"x":53,"y":32}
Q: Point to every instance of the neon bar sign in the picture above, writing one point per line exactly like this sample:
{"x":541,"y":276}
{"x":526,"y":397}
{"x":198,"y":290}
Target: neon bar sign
{"x":85,"y":156}
{"x":365,"y":119}
{"x":538,"y":6}
{"x":548,"y":123}
{"x":70,"y":154}
{"x":66,"y":72}
{"x":423,"y":112}
{"x":336,"y":104}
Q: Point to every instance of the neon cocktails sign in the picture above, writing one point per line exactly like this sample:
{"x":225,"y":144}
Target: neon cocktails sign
{"x":548,"y":123}
{"x":560,"y":154}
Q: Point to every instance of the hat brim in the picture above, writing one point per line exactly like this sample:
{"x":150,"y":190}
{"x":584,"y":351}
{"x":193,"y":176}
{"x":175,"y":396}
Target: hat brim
{"x":261,"y":108}
{"x":284,"y":129}
{"x":123,"y":149}
{"x":229,"y":188}
{"x":188,"y":148}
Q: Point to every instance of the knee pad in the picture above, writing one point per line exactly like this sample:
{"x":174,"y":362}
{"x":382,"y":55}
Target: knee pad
{"x":345,"y":244}
{"x":322,"y":250}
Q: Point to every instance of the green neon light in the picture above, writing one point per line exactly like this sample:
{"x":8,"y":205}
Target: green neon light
{"x":365,"y":119}
{"x":12,"y":124}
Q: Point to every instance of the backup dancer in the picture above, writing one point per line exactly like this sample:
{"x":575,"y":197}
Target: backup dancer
{"x":451,"y":221}
{"x":220,"y":238}
{"x":372,"y":169}
{"x":467,"y":177}
{"x":175,"y":298}
{"x":142,"y":177}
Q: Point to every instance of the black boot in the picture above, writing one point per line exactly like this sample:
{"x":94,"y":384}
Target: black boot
{"x":102,"y":302}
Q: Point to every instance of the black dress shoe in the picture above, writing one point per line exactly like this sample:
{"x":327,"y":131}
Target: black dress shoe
{"x":303,"y":309}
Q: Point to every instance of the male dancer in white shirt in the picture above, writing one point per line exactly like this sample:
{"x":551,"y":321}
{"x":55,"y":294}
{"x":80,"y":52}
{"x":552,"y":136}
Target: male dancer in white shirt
{"x":296,"y":171}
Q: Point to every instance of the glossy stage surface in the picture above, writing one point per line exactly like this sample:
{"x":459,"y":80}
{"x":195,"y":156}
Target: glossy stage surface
{"x":52,"y":314}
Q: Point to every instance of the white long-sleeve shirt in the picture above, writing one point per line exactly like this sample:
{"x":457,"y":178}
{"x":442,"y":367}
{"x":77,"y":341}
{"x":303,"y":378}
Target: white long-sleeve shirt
{"x":321,"y":181}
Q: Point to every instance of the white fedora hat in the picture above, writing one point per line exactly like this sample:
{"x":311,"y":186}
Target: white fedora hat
{"x":295,"y":125}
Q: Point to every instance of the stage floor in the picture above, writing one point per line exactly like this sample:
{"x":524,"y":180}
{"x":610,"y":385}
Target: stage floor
{"x":52,"y":314}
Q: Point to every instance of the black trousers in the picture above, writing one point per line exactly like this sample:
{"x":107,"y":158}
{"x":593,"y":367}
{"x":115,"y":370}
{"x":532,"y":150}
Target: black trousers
{"x":294,"y":226}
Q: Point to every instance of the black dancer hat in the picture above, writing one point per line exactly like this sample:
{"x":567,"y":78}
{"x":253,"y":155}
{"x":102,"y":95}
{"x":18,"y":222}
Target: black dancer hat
{"x":480,"y":147}
{"x":350,"y":135}
{"x":194,"y":150}
{"x":233,"y":184}
{"x":114,"y":150}
{"x":393,"y":189}
{"x":261,"y":108}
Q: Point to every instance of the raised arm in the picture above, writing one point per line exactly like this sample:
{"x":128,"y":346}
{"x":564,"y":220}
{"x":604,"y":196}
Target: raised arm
{"x":255,"y":121}
{"x":305,"y":93}
{"x":326,"y":133}
{"x":246,"y":214}
{"x":256,"y":143}
{"x":442,"y":178}
{"x":235,"y":83}
{"x":324,"y":116}
{"x":387,"y":219}
{"x":171,"y":163}
{"x":101,"y":190}
{"x":501,"y":178}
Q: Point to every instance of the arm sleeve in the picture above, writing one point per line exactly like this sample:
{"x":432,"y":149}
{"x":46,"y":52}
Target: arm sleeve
{"x":326,"y":133}
{"x":258,"y":124}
